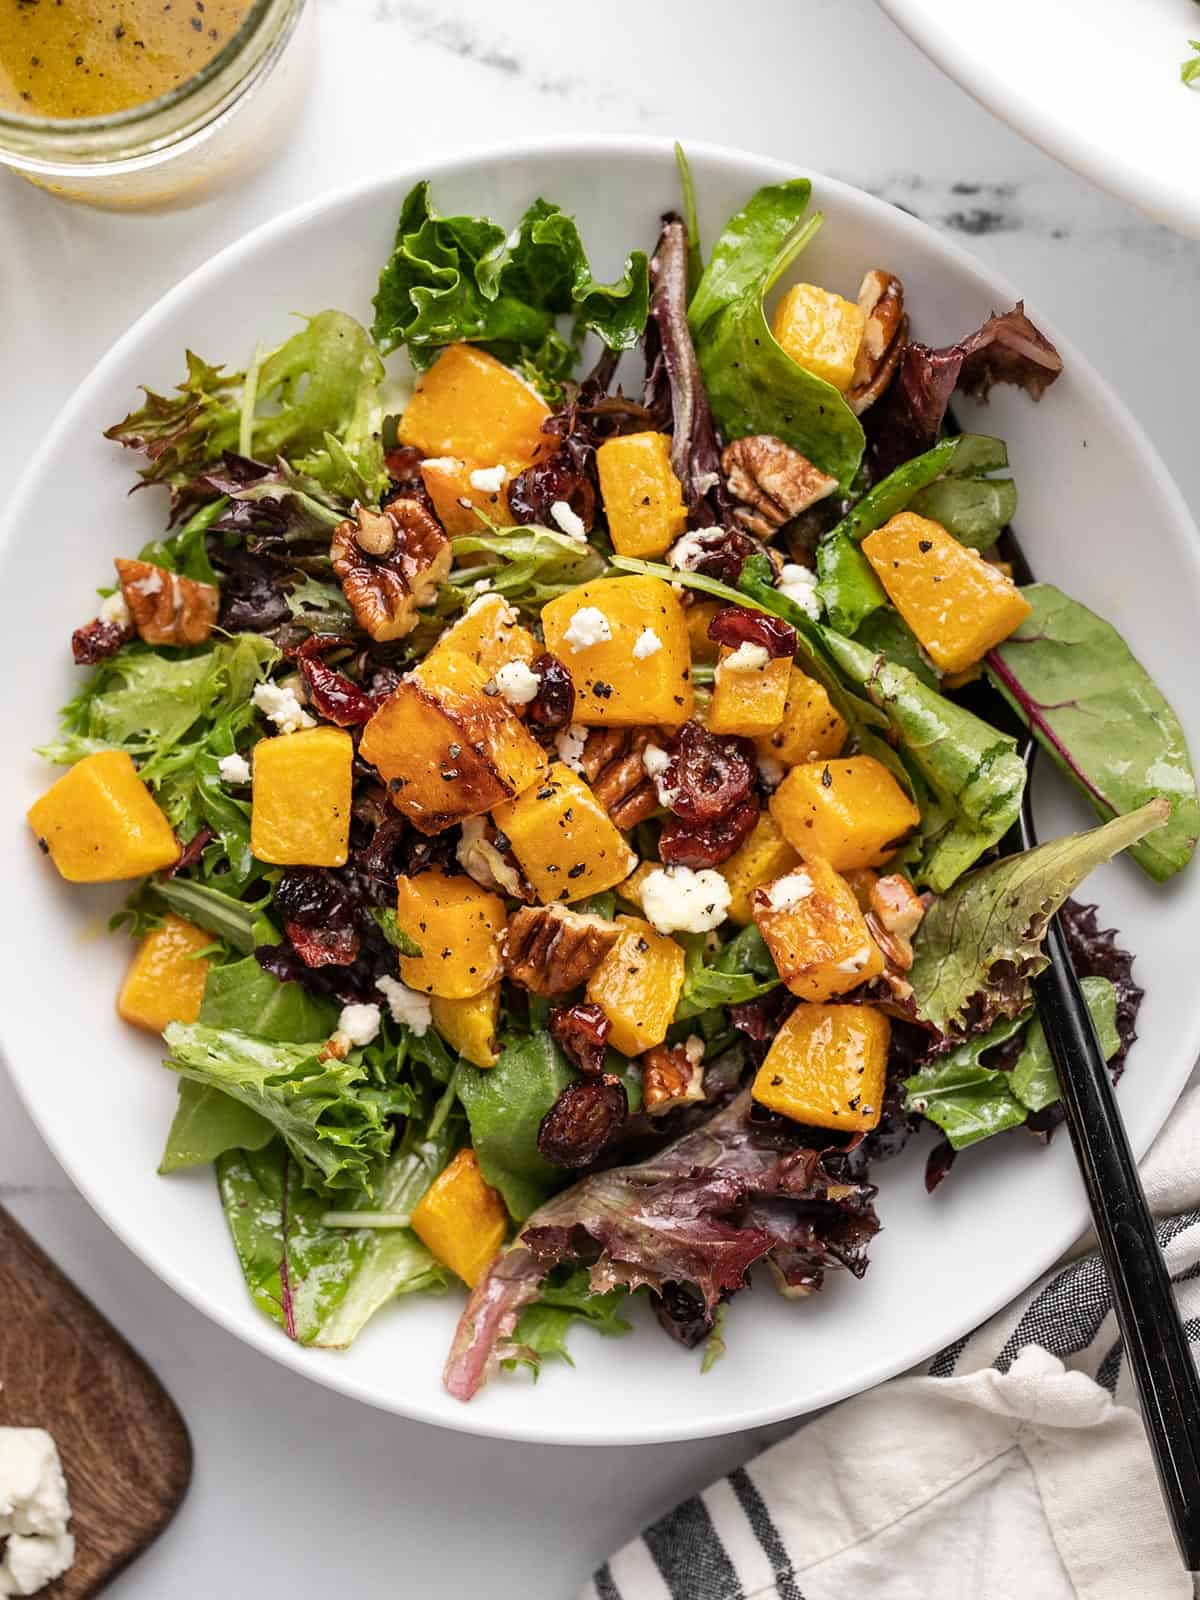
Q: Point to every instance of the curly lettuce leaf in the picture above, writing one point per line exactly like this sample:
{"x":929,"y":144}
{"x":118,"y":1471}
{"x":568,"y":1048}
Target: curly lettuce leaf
{"x":753,"y":385}
{"x":505,"y":1105}
{"x":979,"y":945}
{"x":742,"y":970}
{"x":1072,"y":680}
{"x":566,"y":1298}
{"x":531,"y":565}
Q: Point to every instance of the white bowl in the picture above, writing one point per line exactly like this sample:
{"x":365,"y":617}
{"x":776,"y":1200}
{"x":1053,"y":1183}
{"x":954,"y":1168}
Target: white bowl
{"x":1095,"y":83}
{"x":1098,"y":514}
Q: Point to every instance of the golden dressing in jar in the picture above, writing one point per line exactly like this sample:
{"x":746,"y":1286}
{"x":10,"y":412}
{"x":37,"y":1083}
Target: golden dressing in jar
{"x":87,"y":58}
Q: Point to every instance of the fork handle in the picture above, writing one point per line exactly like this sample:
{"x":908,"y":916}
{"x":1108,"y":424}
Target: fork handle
{"x":1156,"y":1346}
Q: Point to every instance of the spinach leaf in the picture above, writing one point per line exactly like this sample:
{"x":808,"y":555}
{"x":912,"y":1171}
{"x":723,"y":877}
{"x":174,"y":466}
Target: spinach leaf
{"x":743,"y":970}
{"x":505,"y":1105}
{"x":1073,"y":681}
{"x":886,"y":633}
{"x":974,"y":510}
{"x":979,"y":945}
{"x":1034,"y":1080}
{"x":566,"y":1297}
{"x":206,"y":1124}
{"x":753,"y":385}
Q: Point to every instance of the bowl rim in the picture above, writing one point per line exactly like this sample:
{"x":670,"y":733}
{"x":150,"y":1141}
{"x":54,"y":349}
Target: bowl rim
{"x":262,"y":1335}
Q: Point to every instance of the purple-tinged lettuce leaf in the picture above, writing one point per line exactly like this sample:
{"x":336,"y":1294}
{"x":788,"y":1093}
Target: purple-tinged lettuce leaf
{"x":1096,"y":953}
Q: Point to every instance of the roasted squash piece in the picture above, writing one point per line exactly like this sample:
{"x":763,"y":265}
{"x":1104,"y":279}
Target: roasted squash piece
{"x":764,"y":855}
{"x":852,"y":813}
{"x":300,"y":815}
{"x":957,"y":604}
{"x":810,"y":729}
{"x":563,"y":838}
{"x":638,"y":985}
{"x":625,"y":643}
{"x":643,"y":499}
{"x":455,"y":498}
{"x":459,"y":927}
{"x":698,"y":616}
{"x":99,"y":822}
{"x":815,"y":932}
{"x":490,"y":633}
{"x":469,"y":1025}
{"x":446,"y":749}
{"x":460,"y":1220}
{"x":821,"y":332}
{"x":747,"y":701}
{"x":470,"y":406}
{"x":166,"y":978}
{"x":826,"y":1067}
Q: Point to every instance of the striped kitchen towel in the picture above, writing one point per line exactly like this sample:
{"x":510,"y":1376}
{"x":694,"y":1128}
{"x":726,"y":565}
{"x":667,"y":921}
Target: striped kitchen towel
{"x":1013,"y":1467}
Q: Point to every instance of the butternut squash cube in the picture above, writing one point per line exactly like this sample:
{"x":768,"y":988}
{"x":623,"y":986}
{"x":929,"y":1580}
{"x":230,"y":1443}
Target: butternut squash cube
{"x":448,"y":482}
{"x":826,"y":1068}
{"x":638,"y":985}
{"x":166,"y":978}
{"x":460,"y":1220}
{"x":563,"y":838}
{"x":815,"y":932}
{"x":957,"y":604}
{"x":300,"y":812}
{"x":765,"y":855}
{"x":489,"y":633}
{"x":751,"y":701}
{"x":698,"y":616}
{"x":631,"y":889}
{"x":458,"y":926}
{"x":99,"y":823}
{"x":643,"y":499}
{"x":852,"y":813}
{"x":469,"y":1025}
{"x":447,"y":750}
{"x":810,"y":730}
{"x":470,"y":406}
{"x":821,"y":332}
{"x":606,"y":633}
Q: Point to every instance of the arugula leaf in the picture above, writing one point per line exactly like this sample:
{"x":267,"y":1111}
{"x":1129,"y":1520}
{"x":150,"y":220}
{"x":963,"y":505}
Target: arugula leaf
{"x":505,"y":1105}
{"x":533,"y":565}
{"x":743,"y":970}
{"x":691,"y":220}
{"x":753,"y":385}
{"x":333,"y":1123}
{"x":972,"y":768}
{"x":237,"y":922}
{"x":464,"y":278}
{"x":1072,"y":679}
{"x":566,"y":1297}
{"x":979,"y":945}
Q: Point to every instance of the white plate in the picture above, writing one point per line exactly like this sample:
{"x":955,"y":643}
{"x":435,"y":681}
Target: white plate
{"x":1095,"y":83}
{"x":1098,"y":513}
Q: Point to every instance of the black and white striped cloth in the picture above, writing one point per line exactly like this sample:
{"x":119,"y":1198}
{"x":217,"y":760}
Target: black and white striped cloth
{"x":1012,"y":1468}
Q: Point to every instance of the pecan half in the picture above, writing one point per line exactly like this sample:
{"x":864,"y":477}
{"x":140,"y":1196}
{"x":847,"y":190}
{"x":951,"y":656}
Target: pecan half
{"x":673,"y":1077}
{"x":881,"y":300}
{"x":485,"y":854}
{"x":771,"y":482}
{"x":167,"y":609}
{"x":549,"y":949}
{"x":894,"y":916}
{"x":612,"y":764}
{"x":389,"y":563}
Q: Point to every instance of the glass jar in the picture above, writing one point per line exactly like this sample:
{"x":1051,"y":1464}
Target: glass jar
{"x":182,"y":146}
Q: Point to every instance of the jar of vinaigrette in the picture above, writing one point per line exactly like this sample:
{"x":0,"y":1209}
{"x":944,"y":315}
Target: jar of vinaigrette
{"x":125,"y":103}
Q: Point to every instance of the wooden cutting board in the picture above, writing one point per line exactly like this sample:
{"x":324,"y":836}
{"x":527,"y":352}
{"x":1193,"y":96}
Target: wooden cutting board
{"x":124,"y":1446}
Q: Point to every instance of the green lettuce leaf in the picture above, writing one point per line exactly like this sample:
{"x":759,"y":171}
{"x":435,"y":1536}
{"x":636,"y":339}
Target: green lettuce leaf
{"x":1034,"y":1080}
{"x":530,"y":566}
{"x":1073,"y":680}
{"x":566,"y":1297}
{"x":239,"y":923}
{"x":979,"y":945}
{"x":208,"y":1122}
{"x":753,"y":385}
{"x":742,"y":970}
{"x":505,"y":1105}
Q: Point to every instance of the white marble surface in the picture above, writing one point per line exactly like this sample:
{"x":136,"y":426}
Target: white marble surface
{"x":298,"y":1491}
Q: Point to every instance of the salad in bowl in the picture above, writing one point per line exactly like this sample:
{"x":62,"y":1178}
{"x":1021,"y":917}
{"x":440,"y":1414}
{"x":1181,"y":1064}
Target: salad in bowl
{"x":565,"y":860}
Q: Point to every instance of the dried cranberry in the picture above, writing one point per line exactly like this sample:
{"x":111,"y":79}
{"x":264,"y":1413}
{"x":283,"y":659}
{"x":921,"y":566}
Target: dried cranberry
{"x":553,"y":706}
{"x":681,"y":1311}
{"x":707,"y":844}
{"x":97,"y":641}
{"x":335,"y":696}
{"x":938,"y":1163}
{"x":707,"y":776}
{"x":312,"y":896}
{"x":735,"y":625}
{"x":333,"y":946}
{"x":721,"y":552}
{"x":403,"y":463}
{"x":191,"y":852}
{"x":563,"y":476}
{"x":586,"y":1115}
{"x":581,"y":1032}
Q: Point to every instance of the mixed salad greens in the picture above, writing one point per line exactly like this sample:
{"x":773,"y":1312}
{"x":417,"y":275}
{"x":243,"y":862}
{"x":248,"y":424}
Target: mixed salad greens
{"x":565,"y":856}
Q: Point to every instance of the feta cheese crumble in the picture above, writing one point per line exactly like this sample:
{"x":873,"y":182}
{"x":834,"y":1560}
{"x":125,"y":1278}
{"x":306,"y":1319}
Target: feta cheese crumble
{"x":693,"y":1049}
{"x":587,"y":627}
{"x":34,"y":1512}
{"x":799,"y":584}
{"x":566,"y":519}
{"x":489,"y":480}
{"x":746,"y":658}
{"x":569,"y":744}
{"x":680,"y":900}
{"x":281,"y":705}
{"x":655,"y":762}
{"x":856,"y":962}
{"x":113,"y":609}
{"x":787,"y":892}
{"x":359,"y":1024}
{"x":486,"y":597}
{"x":517,"y":683}
{"x":646,"y":644}
{"x":686,"y":553}
{"x":406,"y":1005}
{"x":234,"y":769}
